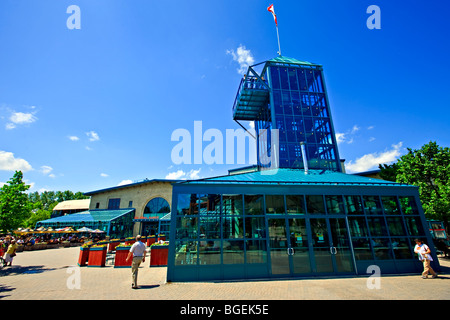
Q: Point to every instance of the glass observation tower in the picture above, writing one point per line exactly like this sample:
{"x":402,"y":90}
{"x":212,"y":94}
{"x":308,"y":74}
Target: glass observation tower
{"x":289,"y":95}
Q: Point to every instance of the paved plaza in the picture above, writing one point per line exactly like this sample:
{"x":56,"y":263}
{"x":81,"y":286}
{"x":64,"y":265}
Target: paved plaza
{"x":53,"y":274}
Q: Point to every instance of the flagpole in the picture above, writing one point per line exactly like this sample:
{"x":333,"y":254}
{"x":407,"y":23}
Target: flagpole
{"x":279,"y":47}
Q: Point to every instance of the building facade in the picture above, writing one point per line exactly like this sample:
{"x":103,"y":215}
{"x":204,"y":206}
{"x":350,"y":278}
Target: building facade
{"x":296,"y":214}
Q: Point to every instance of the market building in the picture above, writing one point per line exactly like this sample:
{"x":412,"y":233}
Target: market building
{"x":142,"y":207}
{"x":297,"y":214}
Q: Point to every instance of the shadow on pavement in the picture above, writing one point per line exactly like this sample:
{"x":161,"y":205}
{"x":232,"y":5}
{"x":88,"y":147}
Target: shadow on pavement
{"x":148,"y":287}
{"x":4,"y":289}
{"x":16,"y":270}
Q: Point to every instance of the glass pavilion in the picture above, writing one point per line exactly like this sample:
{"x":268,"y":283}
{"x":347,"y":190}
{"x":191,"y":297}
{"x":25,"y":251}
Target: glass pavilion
{"x":288,"y":222}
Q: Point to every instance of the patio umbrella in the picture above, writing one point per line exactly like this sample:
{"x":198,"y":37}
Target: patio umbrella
{"x":84,"y":229}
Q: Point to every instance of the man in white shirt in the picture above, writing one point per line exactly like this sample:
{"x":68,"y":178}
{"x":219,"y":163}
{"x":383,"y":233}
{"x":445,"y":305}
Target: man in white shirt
{"x":137,"y":250}
{"x":424,"y":255}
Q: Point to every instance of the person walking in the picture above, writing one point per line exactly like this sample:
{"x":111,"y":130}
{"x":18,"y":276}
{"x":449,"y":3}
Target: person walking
{"x":10,"y":252}
{"x":424,"y":253}
{"x":137,"y":251}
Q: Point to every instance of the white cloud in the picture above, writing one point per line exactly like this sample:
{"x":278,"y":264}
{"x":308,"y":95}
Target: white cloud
{"x":10,"y":126}
{"x":372,"y":160}
{"x":175,"y":175}
{"x":22,"y":118}
{"x":243,"y":57}
{"x":370,"y":127}
{"x":46,"y":169}
{"x":51,"y":175}
{"x":355,"y":129}
{"x":93,"y":136}
{"x":193,"y":174}
{"x":9,"y":163}
{"x":74,"y":138}
{"x":372,"y":139}
{"x":340,"y":137}
{"x":104,"y":175}
{"x":124,"y":182}
{"x":89,"y":148}
{"x":181,"y":175}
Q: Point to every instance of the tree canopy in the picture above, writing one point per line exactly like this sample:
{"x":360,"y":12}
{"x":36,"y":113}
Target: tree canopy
{"x":429,"y":169}
{"x":14,"y":205}
{"x":19,"y":209}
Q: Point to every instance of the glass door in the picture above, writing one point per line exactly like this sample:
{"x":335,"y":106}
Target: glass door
{"x":340,"y":241}
{"x":299,"y":249}
{"x":322,"y":249}
{"x":331,"y":246}
{"x":279,"y":248}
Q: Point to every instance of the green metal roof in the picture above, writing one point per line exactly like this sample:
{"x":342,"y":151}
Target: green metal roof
{"x":285,"y":176}
{"x":283,"y":59}
{"x":88,"y":216}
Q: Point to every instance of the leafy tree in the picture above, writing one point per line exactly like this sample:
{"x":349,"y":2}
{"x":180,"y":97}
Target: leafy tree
{"x":15,"y":207}
{"x":429,"y":169}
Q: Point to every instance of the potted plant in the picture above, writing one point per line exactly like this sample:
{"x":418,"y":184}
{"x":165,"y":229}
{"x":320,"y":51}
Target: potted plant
{"x":84,"y":255}
{"x":97,"y":256}
{"x":130,"y":240}
{"x":151,"y":240}
{"x":113,"y":244}
{"x":122,"y":251}
{"x":158,"y":254}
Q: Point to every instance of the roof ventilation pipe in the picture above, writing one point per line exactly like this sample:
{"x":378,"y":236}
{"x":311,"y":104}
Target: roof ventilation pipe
{"x":305,"y":160}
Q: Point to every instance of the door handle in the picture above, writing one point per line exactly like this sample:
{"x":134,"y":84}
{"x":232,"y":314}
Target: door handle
{"x":335,"y":250}
{"x":290,"y":251}
{"x":331,"y":250}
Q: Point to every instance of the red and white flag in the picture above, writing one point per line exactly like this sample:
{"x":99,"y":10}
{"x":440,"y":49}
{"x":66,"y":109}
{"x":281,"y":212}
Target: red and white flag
{"x":271,"y":9}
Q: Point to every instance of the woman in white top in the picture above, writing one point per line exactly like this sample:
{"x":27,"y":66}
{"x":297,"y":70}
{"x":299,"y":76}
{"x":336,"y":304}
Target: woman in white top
{"x":424,"y":255}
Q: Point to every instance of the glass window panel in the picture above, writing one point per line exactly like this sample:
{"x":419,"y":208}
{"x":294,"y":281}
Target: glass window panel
{"x":362,"y":249}
{"x":358,"y":227}
{"x":414,"y":226}
{"x":187,"y":204}
{"x":256,"y":251}
{"x":209,"y":252}
{"x":408,"y":205}
{"x":372,"y":205}
{"x":390,"y":205}
{"x":377,"y":227}
{"x":209,"y":227}
{"x":233,"y":252}
{"x":186,"y":228}
{"x":335,"y":204}
{"x":382,"y":249}
{"x":275,"y":78}
{"x":185,"y":253}
{"x":293,"y":79}
{"x":315,"y":205}
{"x":301,"y":79}
{"x":255,"y":228}
{"x":284,"y":79}
{"x":401,"y":248}
{"x":275,"y":204}
{"x":295,"y":204}
{"x":253,"y":204}
{"x":354,"y":205}
{"x":209,"y":204}
{"x":232,"y":204}
{"x":395,"y":226}
{"x":233,"y":227}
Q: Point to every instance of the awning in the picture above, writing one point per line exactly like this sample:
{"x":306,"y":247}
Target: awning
{"x":86,"y":216}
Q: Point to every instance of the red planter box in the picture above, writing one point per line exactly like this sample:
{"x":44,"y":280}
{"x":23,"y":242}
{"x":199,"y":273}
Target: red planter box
{"x":112,"y":245}
{"x":83,"y":257}
{"x":158,"y":256}
{"x":130,"y":242}
{"x":97,"y":257}
{"x":151,"y":240}
{"x":162,"y":237}
{"x":120,"y":258}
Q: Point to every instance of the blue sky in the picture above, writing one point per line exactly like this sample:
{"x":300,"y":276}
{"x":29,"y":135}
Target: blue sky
{"x":91,"y":108}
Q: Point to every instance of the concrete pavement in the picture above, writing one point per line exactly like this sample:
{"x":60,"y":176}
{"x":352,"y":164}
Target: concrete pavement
{"x":53,"y":274}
